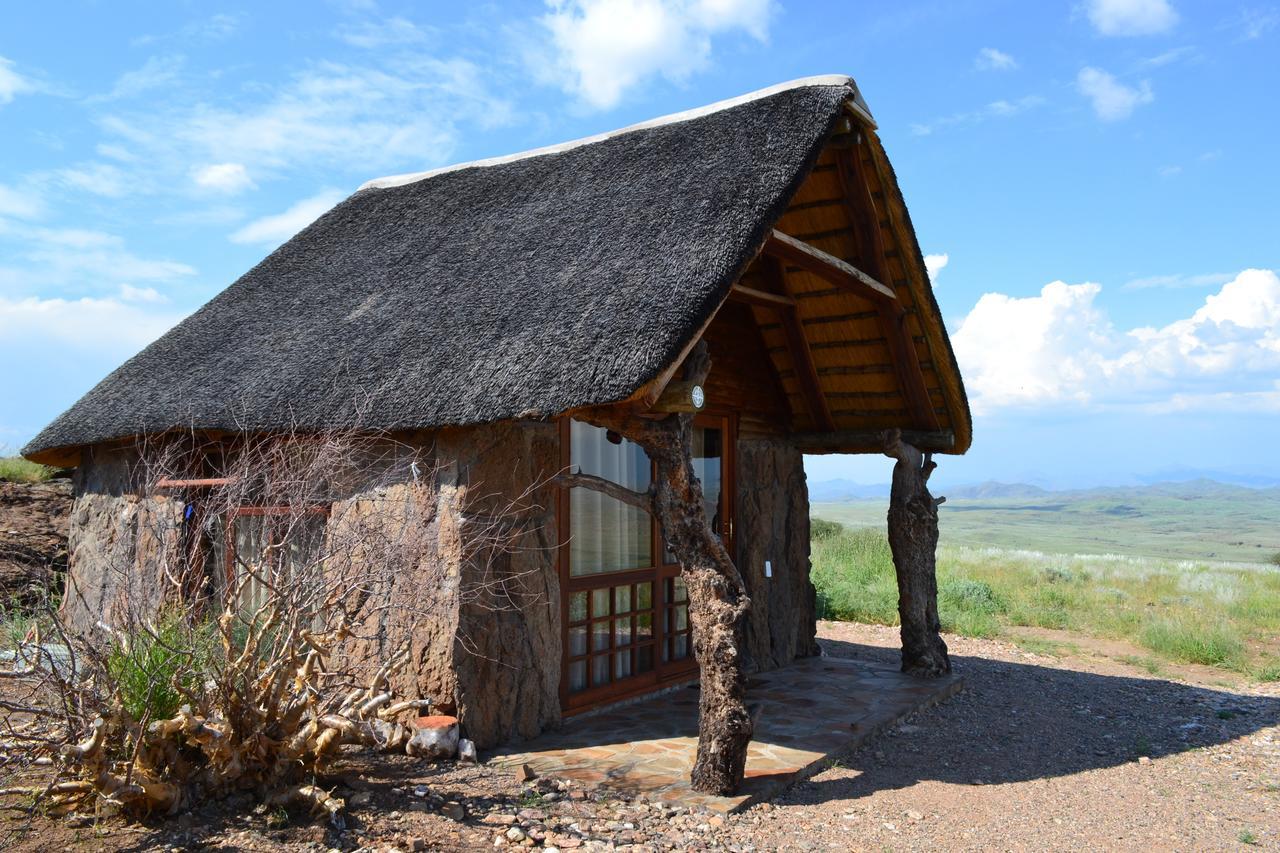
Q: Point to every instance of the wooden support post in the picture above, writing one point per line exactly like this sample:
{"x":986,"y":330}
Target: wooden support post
{"x":913,"y":538}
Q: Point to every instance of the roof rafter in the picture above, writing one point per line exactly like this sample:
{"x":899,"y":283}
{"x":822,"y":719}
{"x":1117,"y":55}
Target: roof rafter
{"x":892,"y":318}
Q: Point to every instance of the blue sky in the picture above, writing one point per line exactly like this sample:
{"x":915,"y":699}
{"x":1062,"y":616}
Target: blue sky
{"x":1099,"y":177}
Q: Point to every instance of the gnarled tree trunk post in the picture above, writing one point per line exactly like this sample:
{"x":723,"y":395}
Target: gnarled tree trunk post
{"x":718,"y":599}
{"x":913,"y":538}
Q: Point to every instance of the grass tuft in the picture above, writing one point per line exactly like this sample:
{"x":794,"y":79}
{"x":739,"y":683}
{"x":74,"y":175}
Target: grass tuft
{"x":1194,"y":641}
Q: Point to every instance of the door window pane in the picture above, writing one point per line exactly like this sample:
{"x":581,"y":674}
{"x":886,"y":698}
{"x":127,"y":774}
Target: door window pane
{"x":708,"y":449}
{"x":578,"y":607}
{"x":578,"y":676}
{"x":607,"y":535}
{"x":578,"y":640}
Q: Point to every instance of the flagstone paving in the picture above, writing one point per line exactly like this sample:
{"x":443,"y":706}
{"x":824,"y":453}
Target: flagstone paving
{"x":811,"y":710}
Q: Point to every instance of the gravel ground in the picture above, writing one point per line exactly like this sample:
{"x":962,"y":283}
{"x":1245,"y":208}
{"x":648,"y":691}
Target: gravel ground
{"x":1079,"y":753}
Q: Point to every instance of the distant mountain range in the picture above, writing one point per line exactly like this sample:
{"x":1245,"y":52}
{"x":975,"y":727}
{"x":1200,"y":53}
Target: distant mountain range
{"x":839,"y":491}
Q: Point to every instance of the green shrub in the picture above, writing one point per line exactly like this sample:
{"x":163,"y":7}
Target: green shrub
{"x":155,"y":666}
{"x":15,"y":469}
{"x":821,"y":530}
{"x":1275,"y":559}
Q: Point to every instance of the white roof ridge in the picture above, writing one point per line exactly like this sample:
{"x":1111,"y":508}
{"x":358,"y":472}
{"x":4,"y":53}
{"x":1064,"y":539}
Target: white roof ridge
{"x":687,"y":115}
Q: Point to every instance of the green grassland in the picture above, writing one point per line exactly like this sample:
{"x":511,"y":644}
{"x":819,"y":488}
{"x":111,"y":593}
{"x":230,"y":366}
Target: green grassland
{"x":1220,"y":614}
{"x":1199,"y":520}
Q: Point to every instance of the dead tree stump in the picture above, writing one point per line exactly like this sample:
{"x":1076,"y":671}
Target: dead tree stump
{"x":913,"y":538}
{"x":718,"y":599}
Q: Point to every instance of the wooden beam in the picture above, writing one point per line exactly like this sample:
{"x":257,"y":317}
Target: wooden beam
{"x":762,"y":298}
{"x":841,"y":440}
{"x":167,"y":483}
{"x":798,"y":347}
{"x":893,"y":322}
{"x":680,"y":396}
{"x":828,"y":266}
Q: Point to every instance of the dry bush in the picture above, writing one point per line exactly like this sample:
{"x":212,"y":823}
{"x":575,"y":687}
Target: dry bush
{"x":258,"y":624}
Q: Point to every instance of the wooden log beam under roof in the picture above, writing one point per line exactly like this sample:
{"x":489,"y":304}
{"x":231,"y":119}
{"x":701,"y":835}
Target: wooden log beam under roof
{"x":862,"y":213}
{"x":840,"y":440}
{"x":761,"y":298}
{"x":828,"y":266}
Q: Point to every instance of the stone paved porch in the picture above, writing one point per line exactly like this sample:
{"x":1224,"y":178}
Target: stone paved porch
{"x":813,"y":709}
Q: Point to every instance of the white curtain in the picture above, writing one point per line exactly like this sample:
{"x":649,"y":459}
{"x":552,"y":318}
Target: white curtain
{"x":607,"y":535}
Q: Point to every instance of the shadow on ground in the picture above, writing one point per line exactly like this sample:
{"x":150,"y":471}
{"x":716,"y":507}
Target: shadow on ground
{"x":1016,"y":722}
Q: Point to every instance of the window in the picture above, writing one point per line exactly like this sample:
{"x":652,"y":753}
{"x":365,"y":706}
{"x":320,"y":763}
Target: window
{"x":607,"y":535}
{"x":273,"y":545}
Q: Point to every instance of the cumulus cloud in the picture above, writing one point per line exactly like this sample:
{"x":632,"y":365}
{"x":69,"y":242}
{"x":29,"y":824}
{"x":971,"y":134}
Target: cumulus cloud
{"x":602,"y":48}
{"x":12,"y":83}
{"x":1131,"y":17}
{"x":223,"y":177}
{"x":1059,"y":347}
{"x":990,"y":59}
{"x":129,"y":293}
{"x":1111,"y":99}
{"x":935,"y":264}
{"x":275,"y":229}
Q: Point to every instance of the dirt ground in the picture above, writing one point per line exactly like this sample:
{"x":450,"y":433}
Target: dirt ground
{"x":33,"y":538}
{"x":1083,"y":752}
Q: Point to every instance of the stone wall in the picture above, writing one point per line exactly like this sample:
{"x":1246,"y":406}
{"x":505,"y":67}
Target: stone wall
{"x":484,"y":595}
{"x":772,"y":523}
{"x":507,"y":653}
{"x":117,"y":544}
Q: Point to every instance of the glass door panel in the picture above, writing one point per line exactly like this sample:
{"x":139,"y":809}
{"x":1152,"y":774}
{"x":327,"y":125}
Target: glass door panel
{"x":627,"y":613}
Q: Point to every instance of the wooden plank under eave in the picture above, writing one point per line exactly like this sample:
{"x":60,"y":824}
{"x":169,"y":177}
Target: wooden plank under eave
{"x":798,"y":348}
{"x":762,"y":298}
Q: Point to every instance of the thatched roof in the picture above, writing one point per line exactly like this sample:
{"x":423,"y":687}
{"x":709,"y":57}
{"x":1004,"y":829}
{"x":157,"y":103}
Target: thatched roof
{"x":519,"y":287}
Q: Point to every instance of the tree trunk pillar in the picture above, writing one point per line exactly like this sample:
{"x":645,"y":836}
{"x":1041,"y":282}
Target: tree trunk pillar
{"x":913,"y":538}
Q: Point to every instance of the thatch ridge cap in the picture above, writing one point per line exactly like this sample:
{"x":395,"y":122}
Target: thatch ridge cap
{"x":856,"y":102}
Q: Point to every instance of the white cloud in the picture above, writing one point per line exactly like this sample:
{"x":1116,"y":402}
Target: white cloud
{"x":605,"y":47}
{"x":12,"y":83}
{"x":393,"y":31}
{"x":84,"y":324}
{"x":156,"y":72}
{"x":101,"y":179}
{"x":281,"y":226}
{"x":1111,"y":99}
{"x":1179,"y":280}
{"x":40,"y":258}
{"x":400,"y":114}
{"x":129,"y":293}
{"x":1060,"y":348}
{"x":1131,"y":17}
{"x":935,"y":264}
{"x":995,"y":109}
{"x":990,"y":59}
{"x":223,"y":177}
{"x":23,"y":204}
